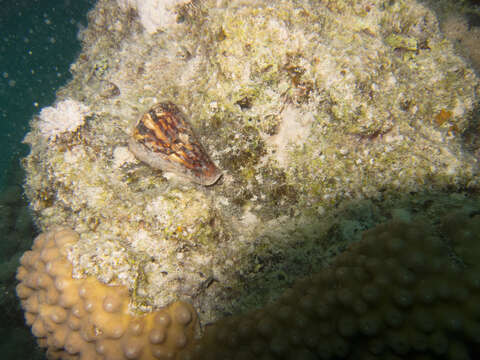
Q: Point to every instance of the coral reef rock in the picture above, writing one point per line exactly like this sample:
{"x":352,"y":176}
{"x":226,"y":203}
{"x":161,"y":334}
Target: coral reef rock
{"x":303,"y":105}
{"x":85,"y":319}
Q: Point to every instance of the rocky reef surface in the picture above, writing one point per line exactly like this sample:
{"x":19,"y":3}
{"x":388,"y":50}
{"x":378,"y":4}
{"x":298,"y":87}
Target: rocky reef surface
{"x":326,"y":117}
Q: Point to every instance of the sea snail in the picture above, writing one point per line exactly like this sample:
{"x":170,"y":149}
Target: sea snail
{"x":164,"y":139}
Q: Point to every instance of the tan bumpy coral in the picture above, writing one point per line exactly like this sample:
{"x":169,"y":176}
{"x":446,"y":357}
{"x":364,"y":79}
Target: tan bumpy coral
{"x":396,"y":294}
{"x":85,"y":319}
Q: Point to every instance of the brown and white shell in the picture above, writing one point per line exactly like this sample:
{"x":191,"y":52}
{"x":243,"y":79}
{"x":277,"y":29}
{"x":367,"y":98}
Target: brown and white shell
{"x":164,"y":139}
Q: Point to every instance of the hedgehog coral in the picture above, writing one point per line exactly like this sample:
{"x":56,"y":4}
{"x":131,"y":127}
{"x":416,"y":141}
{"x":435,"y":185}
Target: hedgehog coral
{"x":85,"y":319}
{"x":394,"y":294}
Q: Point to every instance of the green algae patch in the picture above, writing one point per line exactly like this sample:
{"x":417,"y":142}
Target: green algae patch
{"x":397,"y":41}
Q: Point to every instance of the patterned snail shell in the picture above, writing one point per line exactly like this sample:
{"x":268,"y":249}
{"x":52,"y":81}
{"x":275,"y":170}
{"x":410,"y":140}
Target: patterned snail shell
{"x":164,"y":139}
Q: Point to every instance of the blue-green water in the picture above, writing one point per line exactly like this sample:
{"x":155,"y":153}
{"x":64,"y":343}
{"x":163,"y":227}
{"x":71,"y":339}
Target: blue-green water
{"x":38,"y":42}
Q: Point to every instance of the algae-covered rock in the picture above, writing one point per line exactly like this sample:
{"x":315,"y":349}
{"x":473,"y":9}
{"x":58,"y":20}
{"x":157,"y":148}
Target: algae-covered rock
{"x":304,"y":106}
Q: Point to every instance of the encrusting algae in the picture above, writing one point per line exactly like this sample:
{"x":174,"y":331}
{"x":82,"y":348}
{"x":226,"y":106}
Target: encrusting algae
{"x":323,"y":117}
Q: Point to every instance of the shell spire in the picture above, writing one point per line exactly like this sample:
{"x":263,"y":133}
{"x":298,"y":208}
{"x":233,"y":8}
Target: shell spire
{"x":164,"y":139}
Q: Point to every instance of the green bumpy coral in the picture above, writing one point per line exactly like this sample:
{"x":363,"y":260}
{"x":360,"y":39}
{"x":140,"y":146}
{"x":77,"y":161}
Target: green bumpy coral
{"x":395,"y":294}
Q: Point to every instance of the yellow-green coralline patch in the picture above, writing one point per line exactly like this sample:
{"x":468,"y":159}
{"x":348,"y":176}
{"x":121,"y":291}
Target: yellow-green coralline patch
{"x":308,"y":108}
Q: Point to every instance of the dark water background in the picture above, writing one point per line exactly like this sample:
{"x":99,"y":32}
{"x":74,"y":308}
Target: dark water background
{"x":38,"y":42}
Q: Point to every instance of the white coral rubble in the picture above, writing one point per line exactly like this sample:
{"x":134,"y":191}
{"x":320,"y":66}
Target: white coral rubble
{"x":66,"y":116}
{"x":154,"y":14}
